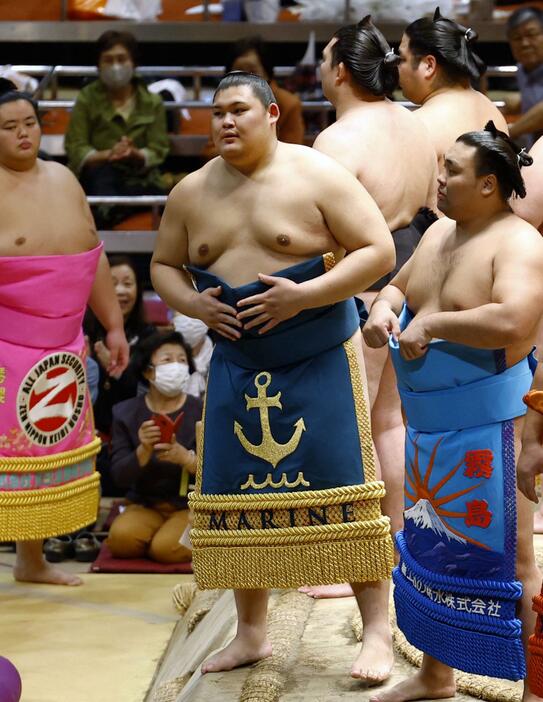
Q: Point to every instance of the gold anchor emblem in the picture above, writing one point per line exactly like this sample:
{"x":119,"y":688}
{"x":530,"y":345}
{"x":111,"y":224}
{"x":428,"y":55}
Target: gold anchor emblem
{"x":269,"y":449}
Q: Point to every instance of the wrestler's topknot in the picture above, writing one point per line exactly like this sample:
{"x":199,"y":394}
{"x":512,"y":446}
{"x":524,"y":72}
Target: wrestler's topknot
{"x":372,"y":64}
{"x":450,"y":43}
{"x":497,"y":153}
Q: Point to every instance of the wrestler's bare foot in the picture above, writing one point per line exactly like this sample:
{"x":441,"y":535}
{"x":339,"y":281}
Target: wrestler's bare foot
{"x":420,"y":687}
{"x":240,"y":651}
{"x":375,"y":660}
{"x":325,"y":592}
{"x":45,"y":573}
{"x":538,"y":522}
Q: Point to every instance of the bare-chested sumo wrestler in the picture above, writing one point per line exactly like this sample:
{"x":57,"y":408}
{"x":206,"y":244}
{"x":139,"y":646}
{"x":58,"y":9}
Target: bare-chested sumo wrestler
{"x":260,"y":229}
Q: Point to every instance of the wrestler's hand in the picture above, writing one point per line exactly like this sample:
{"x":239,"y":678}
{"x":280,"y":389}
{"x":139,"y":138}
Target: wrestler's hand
{"x":218,"y":316}
{"x":281,"y":301}
{"x":381,"y":323}
{"x":414,"y":340}
{"x":530,"y":465}
{"x":119,"y":353}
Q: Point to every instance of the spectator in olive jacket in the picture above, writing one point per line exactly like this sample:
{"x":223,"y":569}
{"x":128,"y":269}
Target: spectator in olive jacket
{"x":117,"y":134}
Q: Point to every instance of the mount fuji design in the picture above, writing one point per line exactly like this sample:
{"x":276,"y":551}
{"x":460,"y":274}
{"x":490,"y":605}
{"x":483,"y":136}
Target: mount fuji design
{"x":425,"y":517}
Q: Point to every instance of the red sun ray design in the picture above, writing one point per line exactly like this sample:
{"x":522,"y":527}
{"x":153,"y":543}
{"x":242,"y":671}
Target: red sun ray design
{"x":410,"y":481}
{"x":419,"y":484}
{"x":431,"y":463}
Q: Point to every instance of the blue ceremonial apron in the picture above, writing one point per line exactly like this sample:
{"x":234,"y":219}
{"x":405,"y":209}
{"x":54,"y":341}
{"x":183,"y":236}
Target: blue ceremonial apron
{"x":284,"y":444}
{"x":456,"y":589}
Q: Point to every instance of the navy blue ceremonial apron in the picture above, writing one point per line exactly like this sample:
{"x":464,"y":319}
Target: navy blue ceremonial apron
{"x":286,"y":491}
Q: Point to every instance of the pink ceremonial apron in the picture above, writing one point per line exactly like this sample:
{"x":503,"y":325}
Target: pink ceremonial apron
{"x":48,"y":484}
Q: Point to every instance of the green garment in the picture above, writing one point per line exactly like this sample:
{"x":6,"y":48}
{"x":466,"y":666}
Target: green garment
{"x":96,"y":126}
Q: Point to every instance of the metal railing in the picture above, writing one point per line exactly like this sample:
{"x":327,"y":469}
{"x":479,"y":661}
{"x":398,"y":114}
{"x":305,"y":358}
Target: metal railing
{"x":50,"y":75}
{"x":154,"y":202}
{"x":137,"y":241}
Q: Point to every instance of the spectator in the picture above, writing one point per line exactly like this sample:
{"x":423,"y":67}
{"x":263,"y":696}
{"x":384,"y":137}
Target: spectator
{"x":117,"y":134}
{"x":151,"y":469}
{"x":112,"y":389}
{"x":115,"y":388}
{"x":194,"y":331}
{"x":251,"y":55}
{"x":525,"y":34}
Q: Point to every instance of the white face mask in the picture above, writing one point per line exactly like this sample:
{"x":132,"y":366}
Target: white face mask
{"x":118,"y":75}
{"x":192,"y":330}
{"x":171,"y":378}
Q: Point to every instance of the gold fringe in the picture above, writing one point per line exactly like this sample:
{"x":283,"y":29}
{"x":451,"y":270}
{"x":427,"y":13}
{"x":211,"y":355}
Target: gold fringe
{"x":358,"y":556}
{"x":37,"y":514}
{"x":39,"y":464}
{"x":362,"y":414}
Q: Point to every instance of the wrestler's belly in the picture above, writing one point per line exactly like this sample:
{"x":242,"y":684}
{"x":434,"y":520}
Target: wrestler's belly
{"x":241,"y":265}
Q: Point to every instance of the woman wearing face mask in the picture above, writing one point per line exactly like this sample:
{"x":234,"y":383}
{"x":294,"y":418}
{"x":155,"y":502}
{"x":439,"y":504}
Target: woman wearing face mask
{"x":153,"y":471}
{"x":194,"y":331}
{"x":117,"y":134}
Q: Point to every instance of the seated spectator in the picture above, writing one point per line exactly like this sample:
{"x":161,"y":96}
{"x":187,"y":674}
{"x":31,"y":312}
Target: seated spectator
{"x":117,"y":134}
{"x":115,"y":388}
{"x":525,"y":34}
{"x":149,"y":468}
{"x":251,"y":55}
{"x":194,"y":332}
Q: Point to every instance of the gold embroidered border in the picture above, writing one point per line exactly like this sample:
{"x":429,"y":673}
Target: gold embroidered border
{"x":358,"y":557}
{"x":200,"y":446}
{"x":286,"y":500}
{"x":329,"y":261}
{"x":38,"y":464}
{"x":362,"y":415}
{"x":371,"y":528}
{"x":38,"y":514}
{"x":251,"y":519}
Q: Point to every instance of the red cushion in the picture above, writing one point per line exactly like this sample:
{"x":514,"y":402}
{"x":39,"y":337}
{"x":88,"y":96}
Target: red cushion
{"x":105,"y":563}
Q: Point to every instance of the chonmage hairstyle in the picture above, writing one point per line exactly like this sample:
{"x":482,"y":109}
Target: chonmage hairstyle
{"x":258,"y":85}
{"x":498,"y":154}
{"x":9,"y":93}
{"x":368,"y":57}
{"x":449,"y":42}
